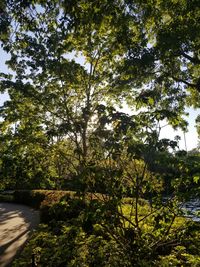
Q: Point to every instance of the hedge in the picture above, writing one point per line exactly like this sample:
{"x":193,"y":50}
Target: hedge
{"x":39,"y":198}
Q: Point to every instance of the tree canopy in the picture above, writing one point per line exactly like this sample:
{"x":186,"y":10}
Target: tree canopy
{"x":75,"y":64}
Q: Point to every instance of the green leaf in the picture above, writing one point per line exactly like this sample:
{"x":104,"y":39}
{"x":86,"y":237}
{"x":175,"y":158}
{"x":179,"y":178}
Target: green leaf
{"x":196,"y":179}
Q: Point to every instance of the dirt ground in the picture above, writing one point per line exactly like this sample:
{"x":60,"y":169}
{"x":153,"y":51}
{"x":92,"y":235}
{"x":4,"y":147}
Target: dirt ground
{"x":16,"y":222}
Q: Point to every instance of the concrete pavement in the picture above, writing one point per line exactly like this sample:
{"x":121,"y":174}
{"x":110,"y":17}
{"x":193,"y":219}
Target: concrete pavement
{"x":16,"y":222}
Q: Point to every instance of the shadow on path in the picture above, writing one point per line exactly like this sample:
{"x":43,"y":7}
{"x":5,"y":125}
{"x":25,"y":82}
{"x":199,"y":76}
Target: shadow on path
{"x":16,"y":222}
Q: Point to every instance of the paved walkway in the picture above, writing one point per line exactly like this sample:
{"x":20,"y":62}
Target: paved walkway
{"x":16,"y":221}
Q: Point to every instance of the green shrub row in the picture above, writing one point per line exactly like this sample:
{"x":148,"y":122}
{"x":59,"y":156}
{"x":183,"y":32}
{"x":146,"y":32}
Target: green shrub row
{"x":46,"y":201}
{"x":6,"y":198}
{"x":54,"y":204}
{"x":67,"y":207}
{"x":39,"y":198}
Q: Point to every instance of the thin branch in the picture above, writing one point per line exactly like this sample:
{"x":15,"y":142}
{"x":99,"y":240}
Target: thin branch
{"x":194,"y":60}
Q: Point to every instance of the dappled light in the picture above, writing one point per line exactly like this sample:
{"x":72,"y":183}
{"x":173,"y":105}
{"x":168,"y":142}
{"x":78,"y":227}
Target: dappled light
{"x":110,"y":188}
{"x":16,"y":222}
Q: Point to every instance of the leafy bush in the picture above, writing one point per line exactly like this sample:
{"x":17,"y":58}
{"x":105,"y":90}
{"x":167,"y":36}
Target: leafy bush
{"x":39,"y":198}
{"x":90,"y":231}
{"x":87,"y":233}
{"x":6,"y":198}
{"x":28,"y":197}
{"x":68,"y":208}
{"x":72,"y":248}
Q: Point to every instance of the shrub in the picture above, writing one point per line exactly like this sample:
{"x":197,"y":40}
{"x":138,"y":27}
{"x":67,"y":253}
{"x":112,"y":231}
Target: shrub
{"x":28,"y":197}
{"x":66,"y":209}
{"x":39,"y":198}
{"x":6,"y":198}
{"x":72,"y":247}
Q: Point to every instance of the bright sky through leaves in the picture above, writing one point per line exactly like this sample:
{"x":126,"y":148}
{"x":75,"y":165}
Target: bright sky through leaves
{"x":166,"y":132}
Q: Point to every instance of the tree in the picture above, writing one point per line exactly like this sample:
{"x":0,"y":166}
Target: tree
{"x":70,"y":100}
{"x":67,"y":93}
{"x":171,"y":29}
{"x":70,"y":109}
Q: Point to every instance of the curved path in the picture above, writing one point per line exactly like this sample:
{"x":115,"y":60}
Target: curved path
{"x":16,"y":222}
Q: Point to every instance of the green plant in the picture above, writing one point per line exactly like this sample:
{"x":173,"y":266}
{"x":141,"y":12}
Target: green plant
{"x":39,"y":198}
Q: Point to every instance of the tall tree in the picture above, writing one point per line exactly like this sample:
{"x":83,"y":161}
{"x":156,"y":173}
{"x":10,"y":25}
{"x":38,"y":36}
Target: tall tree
{"x":46,"y":40}
{"x":172,"y":31}
{"x":120,"y":61}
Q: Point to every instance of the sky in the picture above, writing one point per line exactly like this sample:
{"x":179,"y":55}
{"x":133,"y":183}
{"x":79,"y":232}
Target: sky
{"x":191,"y":136}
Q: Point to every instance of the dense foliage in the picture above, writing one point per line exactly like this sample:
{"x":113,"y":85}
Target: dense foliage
{"x":91,"y":233}
{"x":74,"y":65}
